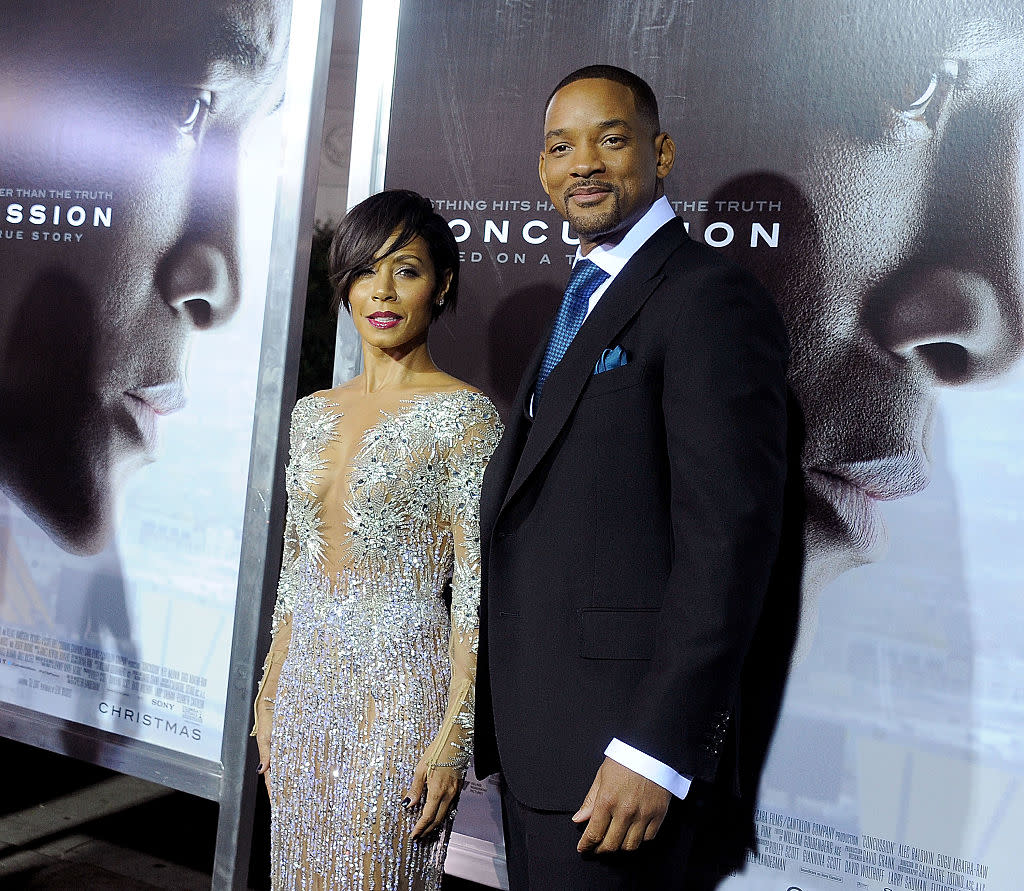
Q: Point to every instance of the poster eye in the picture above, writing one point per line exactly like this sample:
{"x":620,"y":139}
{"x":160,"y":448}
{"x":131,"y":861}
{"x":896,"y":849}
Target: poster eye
{"x":192,"y":111}
{"x":920,"y":105}
{"x":924,"y":96}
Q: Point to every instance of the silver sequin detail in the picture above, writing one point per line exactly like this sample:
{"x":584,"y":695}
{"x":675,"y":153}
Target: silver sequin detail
{"x":375,"y":670}
{"x":312,"y":428}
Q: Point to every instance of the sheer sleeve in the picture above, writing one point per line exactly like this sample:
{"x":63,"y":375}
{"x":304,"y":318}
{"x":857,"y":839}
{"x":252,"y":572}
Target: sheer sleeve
{"x":281,"y":624}
{"x":453,"y":744}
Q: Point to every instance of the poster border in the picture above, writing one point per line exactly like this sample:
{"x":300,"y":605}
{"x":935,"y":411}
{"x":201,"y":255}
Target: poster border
{"x":309,"y":58}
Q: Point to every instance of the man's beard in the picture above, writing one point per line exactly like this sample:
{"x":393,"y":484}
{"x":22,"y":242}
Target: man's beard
{"x":592,"y":225}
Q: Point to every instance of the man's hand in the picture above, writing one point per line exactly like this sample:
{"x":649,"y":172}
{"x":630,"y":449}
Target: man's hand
{"x":622,"y":809}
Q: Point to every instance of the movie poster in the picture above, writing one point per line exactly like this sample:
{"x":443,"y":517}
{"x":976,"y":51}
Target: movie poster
{"x":863,"y":159}
{"x":138,"y":141}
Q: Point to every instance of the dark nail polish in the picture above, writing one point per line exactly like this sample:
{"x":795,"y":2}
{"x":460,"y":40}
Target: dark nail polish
{"x":406,"y":801}
{"x":259,"y":767}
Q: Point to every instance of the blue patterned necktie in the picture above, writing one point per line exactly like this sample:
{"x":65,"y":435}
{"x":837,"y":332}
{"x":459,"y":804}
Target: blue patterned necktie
{"x":586,"y":278}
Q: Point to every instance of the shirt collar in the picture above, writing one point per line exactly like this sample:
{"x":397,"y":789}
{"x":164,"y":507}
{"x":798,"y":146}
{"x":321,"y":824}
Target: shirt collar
{"x":612,"y":257}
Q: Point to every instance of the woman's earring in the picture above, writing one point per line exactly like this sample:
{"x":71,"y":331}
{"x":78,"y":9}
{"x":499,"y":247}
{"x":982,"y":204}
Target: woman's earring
{"x":440,"y":301}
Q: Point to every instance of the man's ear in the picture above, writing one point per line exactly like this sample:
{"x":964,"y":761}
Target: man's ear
{"x":542,"y":173}
{"x":665,"y":150}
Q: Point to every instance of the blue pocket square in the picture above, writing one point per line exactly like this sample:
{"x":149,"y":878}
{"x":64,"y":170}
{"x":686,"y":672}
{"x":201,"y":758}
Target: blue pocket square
{"x":611,"y":358}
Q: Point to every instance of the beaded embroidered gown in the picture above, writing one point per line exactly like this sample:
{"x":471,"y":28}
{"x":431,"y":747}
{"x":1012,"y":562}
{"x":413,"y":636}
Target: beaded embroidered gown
{"x":376,"y":671}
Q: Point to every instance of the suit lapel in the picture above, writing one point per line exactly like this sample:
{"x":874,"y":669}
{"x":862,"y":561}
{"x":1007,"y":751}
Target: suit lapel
{"x":623,"y":300}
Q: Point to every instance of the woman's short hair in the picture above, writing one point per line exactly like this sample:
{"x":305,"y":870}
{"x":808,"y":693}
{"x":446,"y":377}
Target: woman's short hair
{"x":365,"y":229}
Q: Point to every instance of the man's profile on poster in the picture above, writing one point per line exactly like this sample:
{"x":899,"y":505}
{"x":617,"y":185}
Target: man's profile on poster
{"x":121,"y":129}
{"x":893,"y":147}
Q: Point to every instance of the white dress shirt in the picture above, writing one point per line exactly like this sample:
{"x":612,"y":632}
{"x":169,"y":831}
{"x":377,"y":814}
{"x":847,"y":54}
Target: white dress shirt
{"x":612,"y":258}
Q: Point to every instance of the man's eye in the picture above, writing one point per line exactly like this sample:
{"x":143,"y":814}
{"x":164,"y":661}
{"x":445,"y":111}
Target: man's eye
{"x":614,"y":141}
{"x":922,"y":99}
{"x":192,"y":111}
{"x":559,"y":149}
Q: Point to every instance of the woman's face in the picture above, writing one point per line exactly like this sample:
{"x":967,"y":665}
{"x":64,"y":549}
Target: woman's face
{"x":392,"y":301}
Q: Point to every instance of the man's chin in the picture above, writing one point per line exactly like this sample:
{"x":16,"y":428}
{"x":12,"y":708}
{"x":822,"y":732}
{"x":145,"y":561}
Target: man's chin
{"x":827,"y":556}
{"x":594,"y":227}
{"x":82,"y":540}
{"x":81,"y":527}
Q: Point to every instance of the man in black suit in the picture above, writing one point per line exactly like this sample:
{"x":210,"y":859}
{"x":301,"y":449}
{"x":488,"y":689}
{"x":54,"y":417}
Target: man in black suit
{"x":630,"y":519}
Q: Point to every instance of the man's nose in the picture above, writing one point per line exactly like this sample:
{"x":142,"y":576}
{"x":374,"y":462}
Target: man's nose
{"x":198,"y":283}
{"x":587,"y":160}
{"x":199,"y":275}
{"x":955,"y":307}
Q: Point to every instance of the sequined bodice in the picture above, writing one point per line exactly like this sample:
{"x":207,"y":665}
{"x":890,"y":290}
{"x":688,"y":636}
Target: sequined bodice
{"x":408,"y":485}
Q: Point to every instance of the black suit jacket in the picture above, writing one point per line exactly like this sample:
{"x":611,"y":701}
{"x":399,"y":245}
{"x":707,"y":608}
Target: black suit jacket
{"x":628,"y":532}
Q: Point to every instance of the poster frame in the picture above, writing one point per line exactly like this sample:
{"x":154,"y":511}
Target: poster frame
{"x":262,"y":541}
{"x":371,"y":120}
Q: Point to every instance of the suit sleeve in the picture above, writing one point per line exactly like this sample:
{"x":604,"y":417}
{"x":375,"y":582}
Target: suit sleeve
{"x":724,"y":405}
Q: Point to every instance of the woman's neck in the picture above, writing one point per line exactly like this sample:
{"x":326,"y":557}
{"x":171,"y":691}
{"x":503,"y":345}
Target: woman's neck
{"x":399,"y":369}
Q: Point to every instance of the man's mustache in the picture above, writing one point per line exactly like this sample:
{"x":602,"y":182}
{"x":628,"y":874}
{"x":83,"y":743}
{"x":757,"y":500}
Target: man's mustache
{"x":586,"y":184}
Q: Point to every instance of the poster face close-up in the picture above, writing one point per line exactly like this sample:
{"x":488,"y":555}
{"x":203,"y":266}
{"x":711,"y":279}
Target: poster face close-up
{"x":863,"y":160}
{"x":139,"y":147}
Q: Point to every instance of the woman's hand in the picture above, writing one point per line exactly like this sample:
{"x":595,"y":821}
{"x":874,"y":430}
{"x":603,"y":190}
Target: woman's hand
{"x":264,"y":704}
{"x":264,"y":726}
{"x":442,"y":788}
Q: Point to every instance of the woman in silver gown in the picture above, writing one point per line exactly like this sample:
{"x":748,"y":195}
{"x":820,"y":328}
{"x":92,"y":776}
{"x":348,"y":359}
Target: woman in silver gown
{"x":364,"y":716}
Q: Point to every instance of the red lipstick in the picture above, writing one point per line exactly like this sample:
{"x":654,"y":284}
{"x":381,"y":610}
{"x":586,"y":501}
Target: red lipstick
{"x":384,"y":319}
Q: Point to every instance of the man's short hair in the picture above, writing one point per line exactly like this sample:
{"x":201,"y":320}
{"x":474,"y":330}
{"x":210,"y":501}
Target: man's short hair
{"x":643,"y":95}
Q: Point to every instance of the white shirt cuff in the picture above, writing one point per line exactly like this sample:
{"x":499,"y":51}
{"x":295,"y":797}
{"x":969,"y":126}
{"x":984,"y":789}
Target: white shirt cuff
{"x":648,"y":767}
